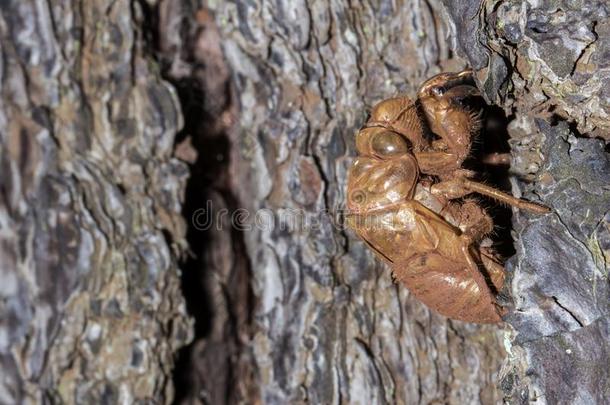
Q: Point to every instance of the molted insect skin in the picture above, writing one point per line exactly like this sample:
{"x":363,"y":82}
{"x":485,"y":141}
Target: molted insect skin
{"x":401,"y":115}
{"x":400,"y":200}
{"x":442,"y":100}
{"x":430,"y":256}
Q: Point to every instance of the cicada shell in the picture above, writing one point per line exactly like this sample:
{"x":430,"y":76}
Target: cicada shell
{"x":405,"y":200}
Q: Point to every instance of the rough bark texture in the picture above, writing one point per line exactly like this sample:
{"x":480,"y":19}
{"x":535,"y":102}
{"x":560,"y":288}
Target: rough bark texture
{"x":90,"y":214}
{"x":289,"y":307}
{"x":548,"y":64}
{"x":327,"y":323}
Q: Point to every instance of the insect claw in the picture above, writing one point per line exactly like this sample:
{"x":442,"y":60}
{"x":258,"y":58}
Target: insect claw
{"x":466,"y":72}
{"x":502,"y":311}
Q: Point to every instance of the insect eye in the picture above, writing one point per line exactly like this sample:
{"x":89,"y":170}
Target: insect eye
{"x":389,"y":143}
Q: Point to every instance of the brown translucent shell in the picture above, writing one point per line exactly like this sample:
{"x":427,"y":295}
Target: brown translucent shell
{"x":405,"y":201}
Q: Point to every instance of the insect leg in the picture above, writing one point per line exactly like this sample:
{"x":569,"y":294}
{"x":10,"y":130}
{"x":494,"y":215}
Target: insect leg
{"x":437,"y":163}
{"x":461,"y":186}
{"x":475,"y":272}
{"x":494,"y":269}
{"x":496,"y":159}
{"x":474,"y":221}
{"x":447,"y":80}
{"x":505,"y":198}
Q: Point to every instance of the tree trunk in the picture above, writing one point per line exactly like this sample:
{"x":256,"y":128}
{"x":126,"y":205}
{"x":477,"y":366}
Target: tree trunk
{"x":547,"y":64}
{"x":90,"y":207}
{"x":105,"y":207}
{"x":323,"y":322}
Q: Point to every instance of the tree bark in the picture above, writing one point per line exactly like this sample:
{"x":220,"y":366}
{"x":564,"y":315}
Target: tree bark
{"x":90,"y":207}
{"x":547,"y":64}
{"x":326,"y":323}
{"x":167,"y":157}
